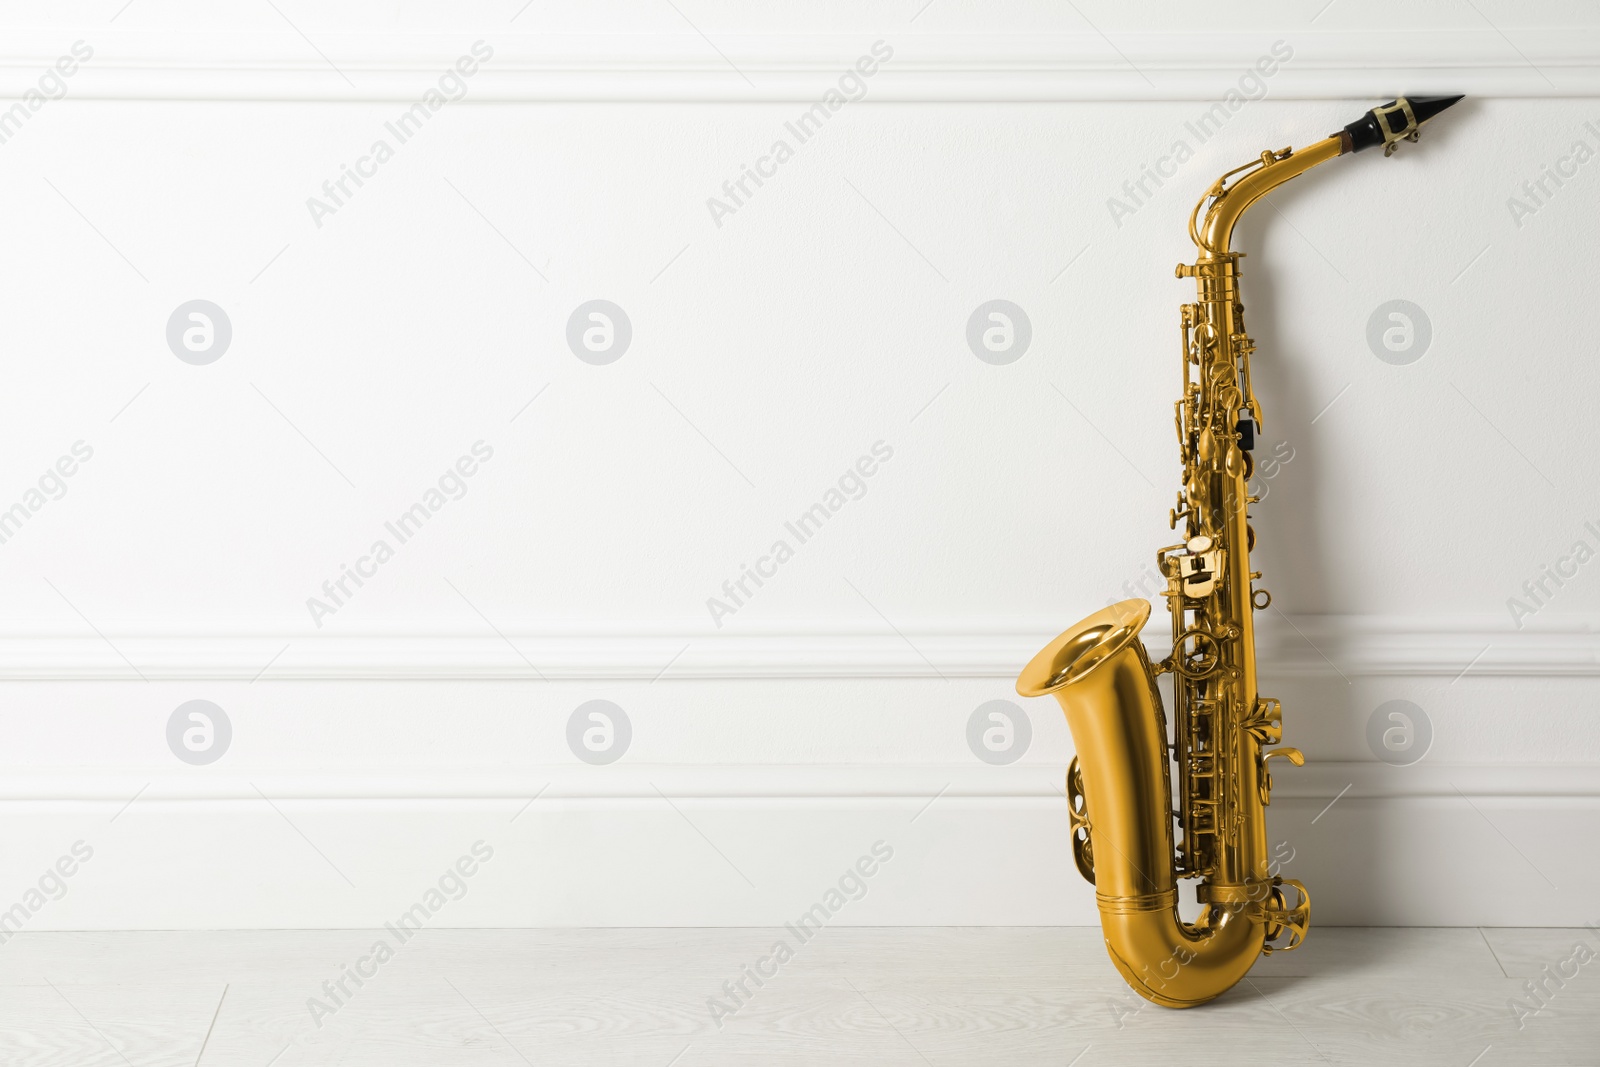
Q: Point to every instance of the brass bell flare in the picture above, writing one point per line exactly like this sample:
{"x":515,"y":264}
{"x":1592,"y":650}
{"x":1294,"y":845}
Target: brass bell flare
{"x":1071,"y":656}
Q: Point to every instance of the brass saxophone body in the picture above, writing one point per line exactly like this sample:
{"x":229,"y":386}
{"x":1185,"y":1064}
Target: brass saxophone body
{"x":1126,"y":838}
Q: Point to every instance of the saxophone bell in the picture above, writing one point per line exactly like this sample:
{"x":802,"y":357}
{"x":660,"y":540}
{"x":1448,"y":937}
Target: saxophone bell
{"x":1101,"y":675}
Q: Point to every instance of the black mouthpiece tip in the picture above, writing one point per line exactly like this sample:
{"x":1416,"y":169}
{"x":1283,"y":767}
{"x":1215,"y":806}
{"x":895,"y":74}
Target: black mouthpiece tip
{"x":1425,"y":107}
{"x":1395,"y":121}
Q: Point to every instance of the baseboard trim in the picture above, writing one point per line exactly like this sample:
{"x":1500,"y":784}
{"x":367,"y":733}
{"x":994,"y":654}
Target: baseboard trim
{"x":1394,"y":849}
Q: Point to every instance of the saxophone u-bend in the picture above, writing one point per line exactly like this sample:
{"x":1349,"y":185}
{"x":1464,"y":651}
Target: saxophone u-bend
{"x":1126,"y":839}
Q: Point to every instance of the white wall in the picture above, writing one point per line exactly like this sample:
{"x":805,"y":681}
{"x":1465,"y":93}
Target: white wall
{"x":769,"y":352}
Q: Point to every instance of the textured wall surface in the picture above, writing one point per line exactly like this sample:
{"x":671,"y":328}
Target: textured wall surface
{"x":1430,"y":531}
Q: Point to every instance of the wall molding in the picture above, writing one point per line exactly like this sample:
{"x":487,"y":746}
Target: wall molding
{"x":1302,"y":646}
{"x":737,"y":786}
{"x":1422,"y":845}
{"x":541,"y":67}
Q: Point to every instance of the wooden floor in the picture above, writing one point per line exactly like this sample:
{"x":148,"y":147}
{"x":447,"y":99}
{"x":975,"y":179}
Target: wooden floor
{"x":997,"y":997}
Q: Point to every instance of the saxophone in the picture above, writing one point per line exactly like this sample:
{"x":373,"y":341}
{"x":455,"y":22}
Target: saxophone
{"x":1119,"y":785}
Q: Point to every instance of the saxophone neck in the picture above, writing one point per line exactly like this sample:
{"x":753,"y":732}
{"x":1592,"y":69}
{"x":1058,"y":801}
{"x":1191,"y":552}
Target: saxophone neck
{"x":1224,"y":204}
{"x":1211,"y":226}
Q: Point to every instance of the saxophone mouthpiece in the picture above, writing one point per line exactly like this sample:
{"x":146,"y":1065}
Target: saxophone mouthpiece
{"x":1388,"y":125}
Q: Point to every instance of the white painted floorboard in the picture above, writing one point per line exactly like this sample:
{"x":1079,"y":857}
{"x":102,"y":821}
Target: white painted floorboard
{"x":904,"y":997}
